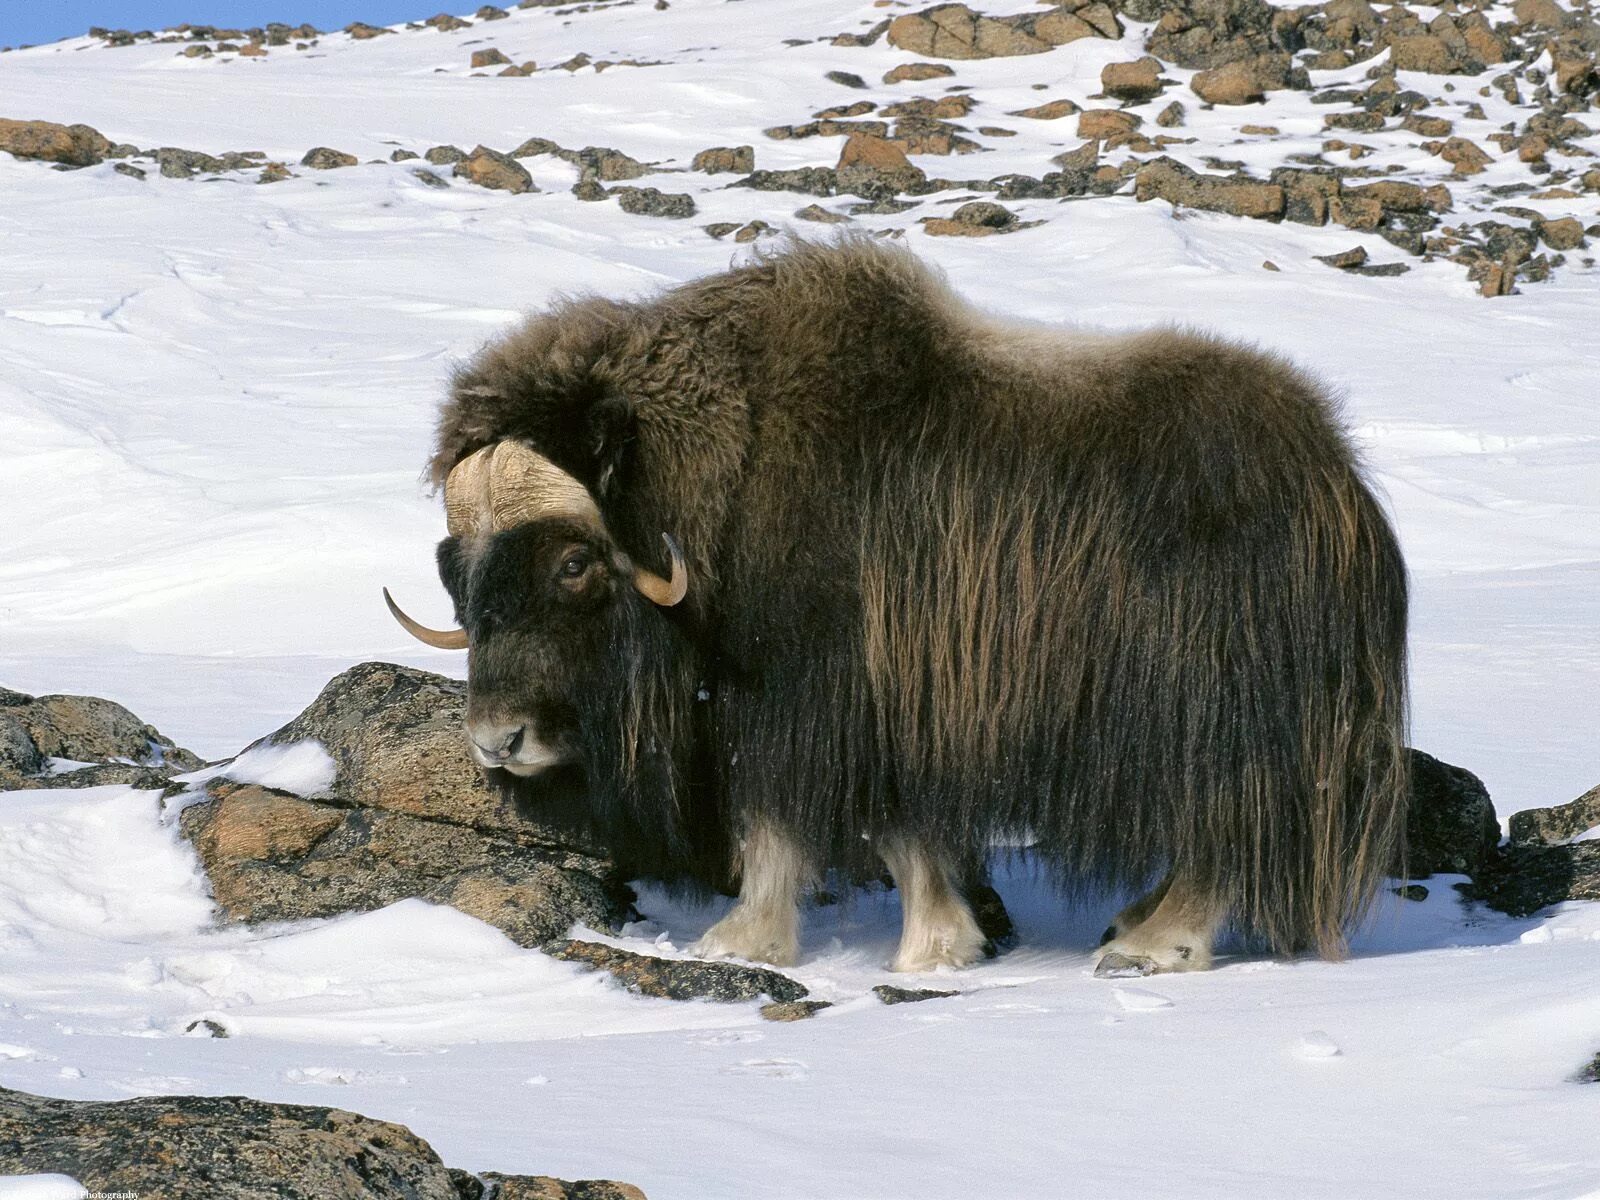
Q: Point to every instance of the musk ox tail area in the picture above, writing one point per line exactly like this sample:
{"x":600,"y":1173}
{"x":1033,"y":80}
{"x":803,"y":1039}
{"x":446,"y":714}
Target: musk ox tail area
{"x":1160,"y":628}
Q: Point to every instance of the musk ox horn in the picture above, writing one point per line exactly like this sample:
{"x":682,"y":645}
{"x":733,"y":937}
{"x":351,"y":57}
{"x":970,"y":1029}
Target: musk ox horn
{"x":442,"y":639}
{"x":503,"y":485}
{"x":663,"y":591}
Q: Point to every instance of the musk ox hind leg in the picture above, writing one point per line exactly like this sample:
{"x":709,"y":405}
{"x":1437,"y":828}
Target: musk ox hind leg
{"x":937,"y":925}
{"x":1175,"y":933}
{"x":764,"y":926}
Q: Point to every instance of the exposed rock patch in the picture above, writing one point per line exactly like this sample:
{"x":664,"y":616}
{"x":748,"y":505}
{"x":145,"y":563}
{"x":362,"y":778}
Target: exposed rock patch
{"x":1558,"y":824}
{"x":680,"y":978}
{"x":325,"y":158}
{"x":234,"y":1148}
{"x":69,"y":145}
{"x":491,"y":169}
{"x":82,"y":729}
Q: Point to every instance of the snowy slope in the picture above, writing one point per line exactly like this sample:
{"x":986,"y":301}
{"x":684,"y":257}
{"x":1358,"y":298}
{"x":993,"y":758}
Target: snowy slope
{"x":216,"y":401}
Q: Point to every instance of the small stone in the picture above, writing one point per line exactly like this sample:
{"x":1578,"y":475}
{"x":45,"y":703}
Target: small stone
{"x":890,"y":994}
{"x":722,"y":160}
{"x":1345,"y":259}
{"x":752,"y":231}
{"x":403,"y":155}
{"x":1134,"y":82}
{"x":444,"y":156}
{"x":1269,"y":265}
{"x":679,"y":979}
{"x":491,"y":169}
{"x":917,"y":72}
{"x":1171,"y":116}
{"x":652,"y":202}
{"x":1564,"y":233}
{"x":815,"y":212}
{"x":1429,"y":127}
{"x":846,"y":79}
{"x":274,"y":172}
{"x":430,"y":179}
{"x":206,"y":1027}
{"x":1051,"y":111}
{"x":1239,"y":82}
{"x":489,"y":58}
{"x":793,"y":1010}
{"x":361,"y":31}
{"x":1106,"y":123}
{"x":324,"y":158}
{"x":128,"y":169}
{"x":1411,"y":891}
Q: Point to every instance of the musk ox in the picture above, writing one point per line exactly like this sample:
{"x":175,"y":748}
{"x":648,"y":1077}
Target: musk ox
{"x":929,"y":581}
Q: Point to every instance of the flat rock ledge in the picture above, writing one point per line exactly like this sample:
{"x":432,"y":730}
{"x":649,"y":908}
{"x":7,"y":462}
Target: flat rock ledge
{"x":235,"y":1148}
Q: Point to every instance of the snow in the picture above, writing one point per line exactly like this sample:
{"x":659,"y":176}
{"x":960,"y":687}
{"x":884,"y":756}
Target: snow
{"x":41,"y":1187}
{"x":217,"y":401}
{"x":303,"y":768}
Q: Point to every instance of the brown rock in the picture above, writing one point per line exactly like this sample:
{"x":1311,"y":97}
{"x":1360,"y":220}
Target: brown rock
{"x":793,"y":1010}
{"x":1171,"y":116}
{"x":955,"y":31}
{"x":445,"y":23}
{"x":491,"y":169}
{"x":723,"y":160}
{"x":945,"y":108}
{"x":1566,"y":233}
{"x":1345,"y":259}
{"x":917,"y":72}
{"x":72,"y":145}
{"x":977,"y":218}
{"x":1430,"y":53}
{"x":1466,"y":156}
{"x":1051,"y":111}
{"x":680,"y":978}
{"x":323,"y":158}
{"x":253,"y":50}
{"x":274,"y":172}
{"x":361,"y":31}
{"x":1134,"y":82}
{"x":1244,"y":81}
{"x":489,"y":58}
{"x":890,"y":994}
{"x":1429,"y":127}
{"x":1166,"y":179}
{"x":1546,"y":13}
{"x":876,"y":153}
{"x":1102,"y":123}
{"x":823,"y":216}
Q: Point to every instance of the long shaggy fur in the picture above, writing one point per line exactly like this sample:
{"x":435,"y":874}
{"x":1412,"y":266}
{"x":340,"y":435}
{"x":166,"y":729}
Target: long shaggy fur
{"x":957,"y":580}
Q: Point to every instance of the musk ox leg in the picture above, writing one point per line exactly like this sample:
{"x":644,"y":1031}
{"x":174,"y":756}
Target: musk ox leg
{"x":1136,"y":912}
{"x":1176,"y":935}
{"x":938,"y":928}
{"x":765,"y":925}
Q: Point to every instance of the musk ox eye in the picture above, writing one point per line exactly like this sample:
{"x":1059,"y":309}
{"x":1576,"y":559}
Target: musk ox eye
{"x":575,"y":565}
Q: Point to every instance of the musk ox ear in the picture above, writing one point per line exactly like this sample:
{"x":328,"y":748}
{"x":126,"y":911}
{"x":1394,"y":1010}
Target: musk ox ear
{"x":453,"y":572}
{"x":610,"y":422}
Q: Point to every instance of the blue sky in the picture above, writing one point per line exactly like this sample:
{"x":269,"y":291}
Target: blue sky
{"x":34,"y":21}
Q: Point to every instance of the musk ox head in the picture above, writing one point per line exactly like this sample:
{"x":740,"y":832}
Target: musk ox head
{"x":548,"y":604}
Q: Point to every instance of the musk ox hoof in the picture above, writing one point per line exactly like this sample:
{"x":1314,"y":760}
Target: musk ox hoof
{"x":1123,"y":966}
{"x":1118,"y":960}
{"x":960,"y":943}
{"x":737,"y":936}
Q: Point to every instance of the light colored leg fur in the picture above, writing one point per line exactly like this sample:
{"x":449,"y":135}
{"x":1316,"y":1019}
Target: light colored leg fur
{"x":938,"y":928}
{"x":1176,"y":934}
{"x":1137,"y":911}
{"x":765,"y":925}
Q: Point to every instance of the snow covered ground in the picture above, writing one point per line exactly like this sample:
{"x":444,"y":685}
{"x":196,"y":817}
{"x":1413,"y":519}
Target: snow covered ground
{"x":216,"y":401}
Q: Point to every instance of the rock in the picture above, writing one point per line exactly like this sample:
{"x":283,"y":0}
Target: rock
{"x":231,"y":1148}
{"x":722,"y":160}
{"x":1167,"y":179}
{"x":602,"y":163}
{"x":1520,"y":880}
{"x":324,"y":158}
{"x":361,"y":31}
{"x":407,"y":815}
{"x":862,"y":39}
{"x":680,"y":978}
{"x":1243,"y":81}
{"x":70,"y":145}
{"x":1411,"y":891}
{"x":957,"y":32}
{"x":489,"y":58}
{"x":1345,"y":259}
{"x":1428,"y":127}
{"x":1205,"y":34}
{"x":1134,"y":82}
{"x":721,"y":229}
{"x":1432,"y":54}
{"x":430,"y":179}
{"x":274,"y":173}
{"x":1105,"y":123}
{"x":846,"y":79}
{"x":1466,"y":156}
{"x":917,"y":72}
{"x":443,"y":156}
{"x":815,"y":212}
{"x":1546,"y":13}
{"x":1558,"y":824}
{"x":793,"y":1010}
{"x":944,"y":108}
{"x":1049,"y":111}
{"x":751,"y":231}
{"x":445,"y":23}
{"x":1590,"y":1073}
{"x":1451,"y":826}
{"x":543,"y":1187}
{"x":1171,"y":116}
{"x":491,"y":169}
{"x":82,"y":729}
{"x":977,"y":218}
{"x":875,"y":153}
{"x":1564,"y":233}
{"x":652,"y":202}
{"x":890,"y":994}
{"x":490,"y":13}
{"x":403,"y":155}
{"x":811,"y":181}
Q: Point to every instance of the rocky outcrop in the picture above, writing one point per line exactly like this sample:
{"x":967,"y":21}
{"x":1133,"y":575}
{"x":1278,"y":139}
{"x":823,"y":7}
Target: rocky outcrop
{"x":407,"y":814}
{"x":1559,"y":824}
{"x":82,"y":729}
{"x":957,"y":32}
{"x":234,"y":1148}
{"x":1167,"y":179}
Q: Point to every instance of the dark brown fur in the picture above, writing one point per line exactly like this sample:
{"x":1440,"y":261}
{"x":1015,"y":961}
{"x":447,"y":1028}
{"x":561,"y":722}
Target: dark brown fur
{"x":1128,"y":595}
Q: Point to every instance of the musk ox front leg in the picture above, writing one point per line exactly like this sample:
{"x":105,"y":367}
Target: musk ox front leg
{"x":1172,"y":929}
{"x":937,"y":925}
{"x":765,"y":925}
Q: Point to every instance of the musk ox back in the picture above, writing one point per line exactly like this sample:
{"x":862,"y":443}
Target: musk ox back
{"x":948,"y":581}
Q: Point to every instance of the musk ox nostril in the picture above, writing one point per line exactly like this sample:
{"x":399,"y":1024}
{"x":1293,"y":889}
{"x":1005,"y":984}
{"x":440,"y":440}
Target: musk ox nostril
{"x":498,"y":742}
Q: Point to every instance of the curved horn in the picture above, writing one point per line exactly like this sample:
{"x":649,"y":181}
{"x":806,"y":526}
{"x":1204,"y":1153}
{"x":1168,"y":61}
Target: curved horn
{"x":442,"y":639}
{"x":661,"y":591}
